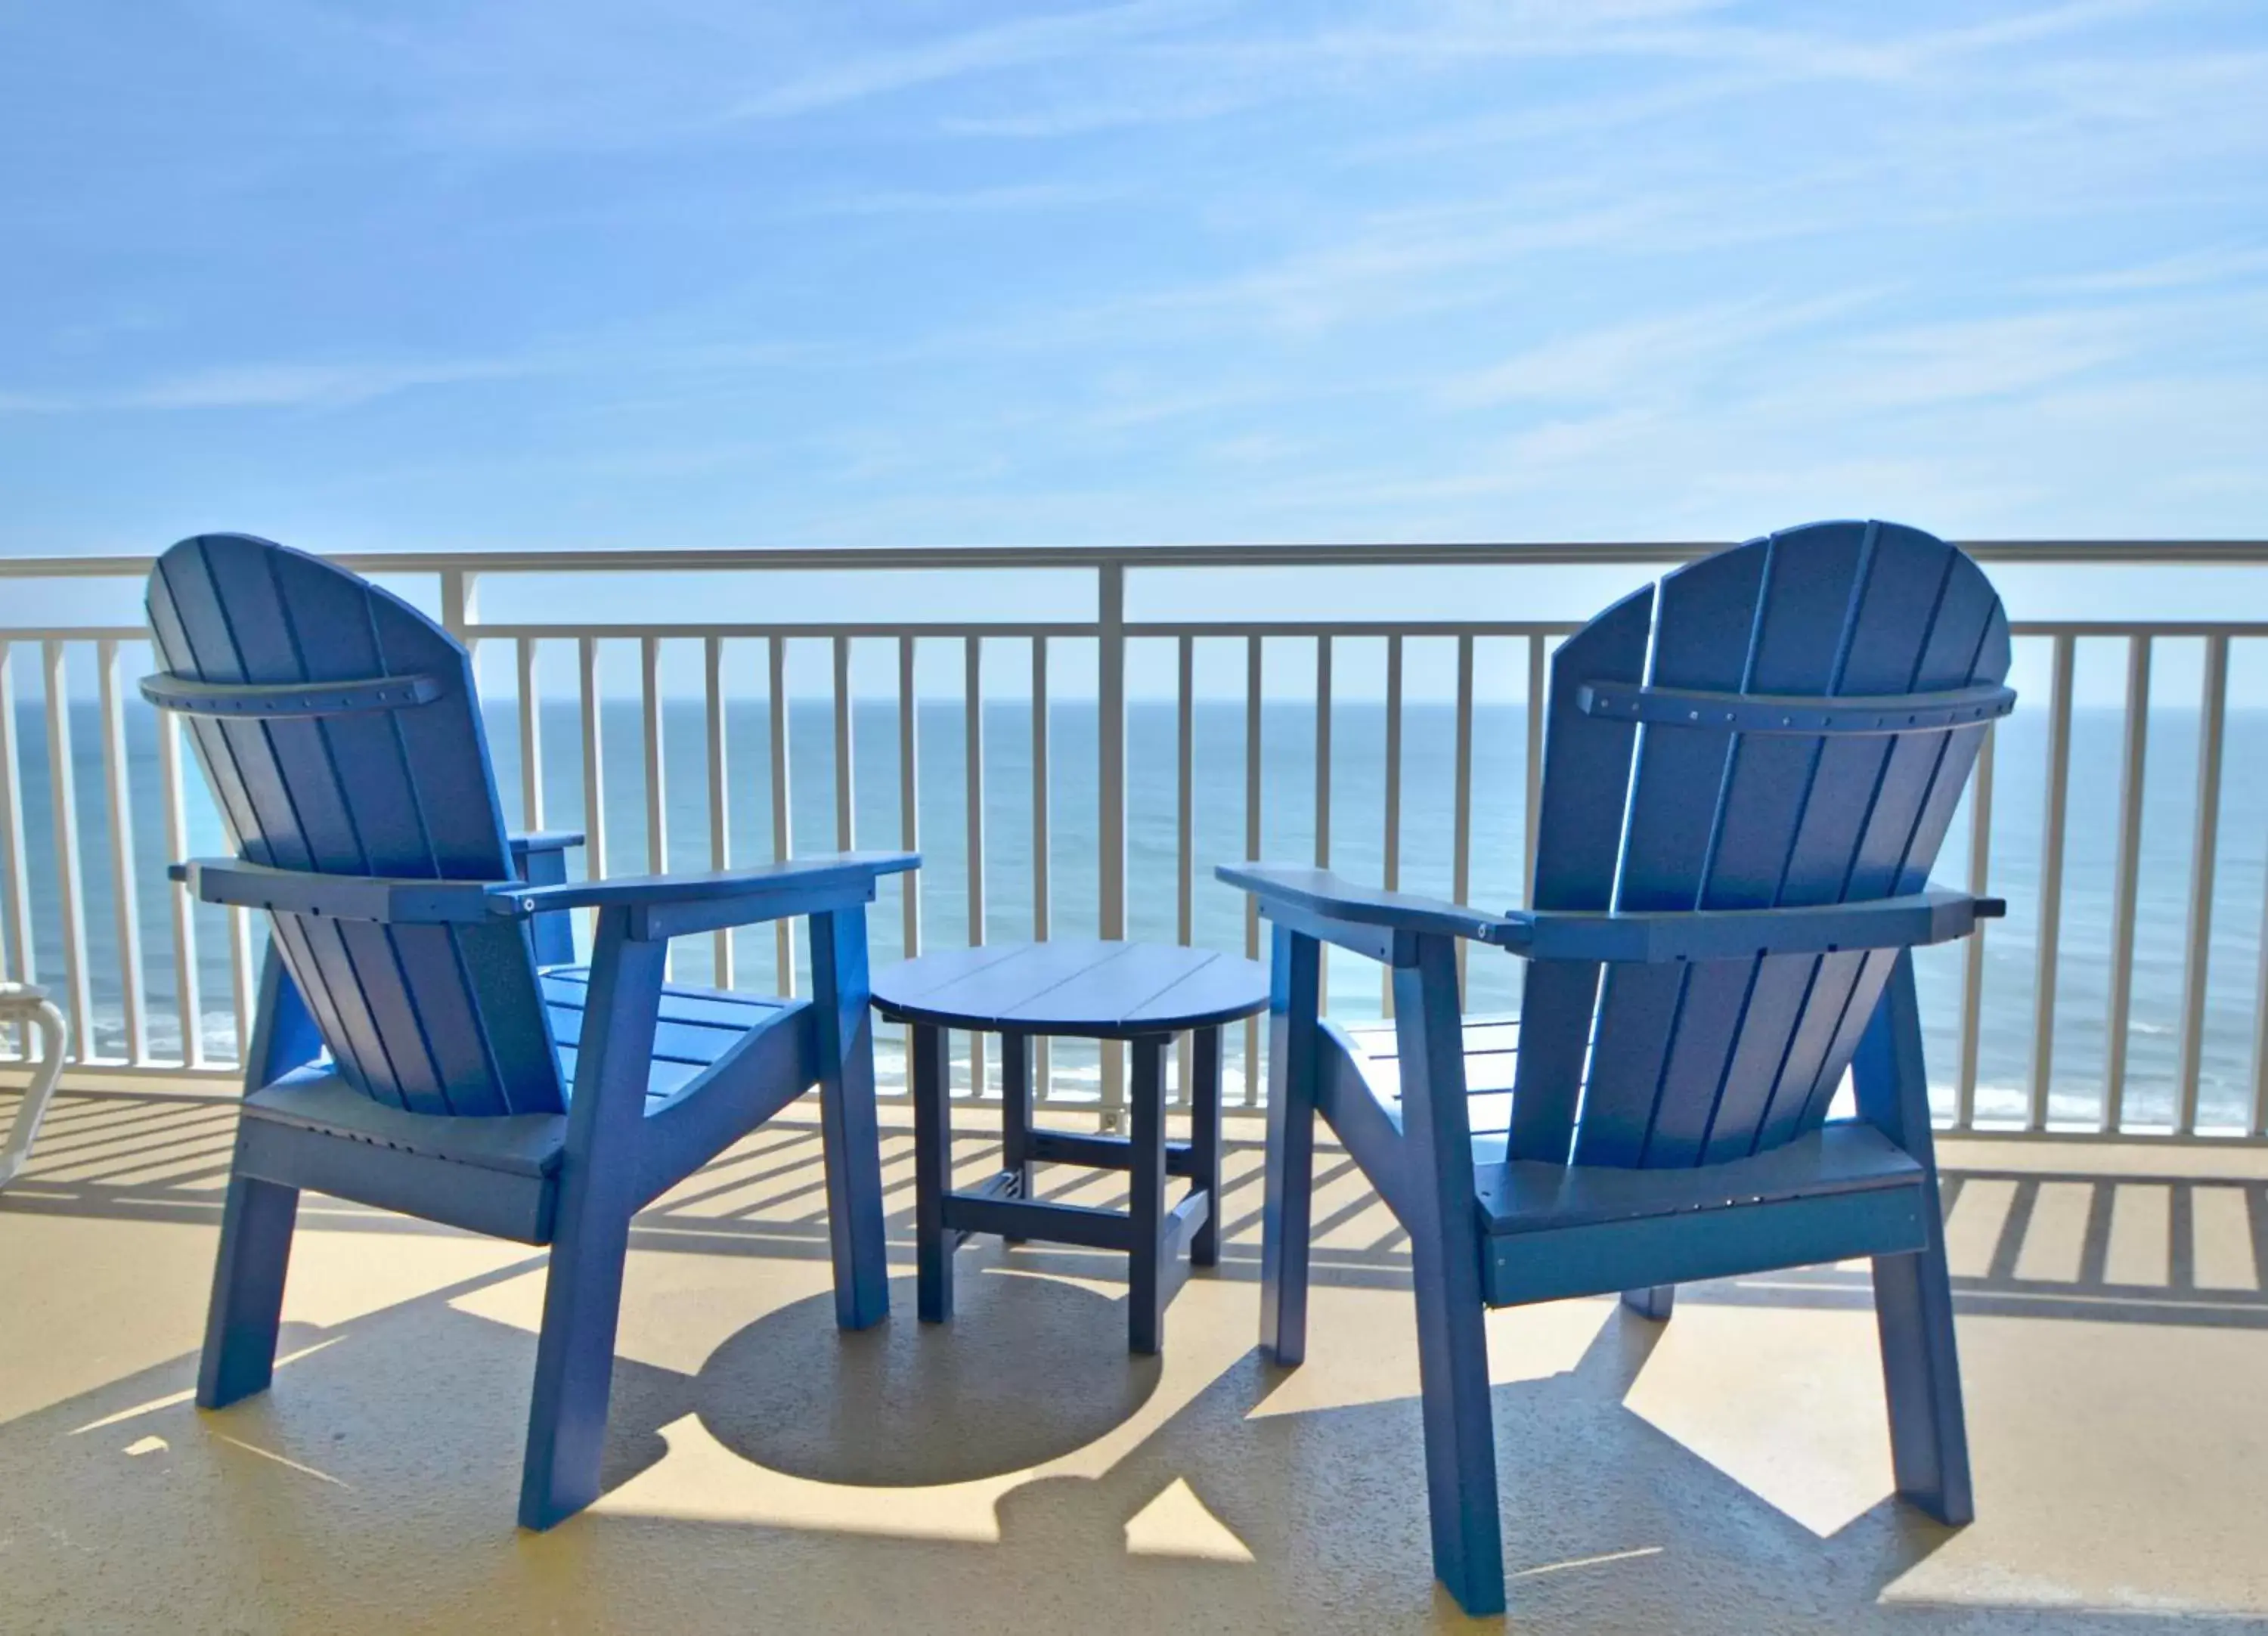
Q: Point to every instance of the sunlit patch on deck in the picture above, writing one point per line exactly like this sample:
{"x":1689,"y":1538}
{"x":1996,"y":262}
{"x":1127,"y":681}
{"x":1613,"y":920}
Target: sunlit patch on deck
{"x":1176,"y":1523}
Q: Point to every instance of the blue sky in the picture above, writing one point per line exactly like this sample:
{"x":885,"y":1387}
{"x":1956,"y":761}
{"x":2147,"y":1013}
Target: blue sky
{"x":706,"y":273}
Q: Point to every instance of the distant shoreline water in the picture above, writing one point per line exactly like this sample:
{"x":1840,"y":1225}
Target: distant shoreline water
{"x":1287,"y":831}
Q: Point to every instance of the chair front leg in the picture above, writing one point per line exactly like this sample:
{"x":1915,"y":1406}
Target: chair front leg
{"x":581,"y":1299}
{"x":1294,"y":1048}
{"x":1444,"y":1266}
{"x":850,"y":1132}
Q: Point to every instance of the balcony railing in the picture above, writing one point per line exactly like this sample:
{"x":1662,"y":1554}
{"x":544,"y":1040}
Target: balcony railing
{"x":2127,"y":993}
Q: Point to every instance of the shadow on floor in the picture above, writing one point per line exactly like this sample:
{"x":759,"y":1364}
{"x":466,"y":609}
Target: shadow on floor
{"x":373,"y":1490}
{"x":2204,"y":1256}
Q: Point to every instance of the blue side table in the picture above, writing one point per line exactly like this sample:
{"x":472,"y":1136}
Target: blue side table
{"x":1143,"y":993}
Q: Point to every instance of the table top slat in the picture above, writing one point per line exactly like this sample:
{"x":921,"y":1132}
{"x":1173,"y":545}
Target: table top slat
{"x":1080,"y":988}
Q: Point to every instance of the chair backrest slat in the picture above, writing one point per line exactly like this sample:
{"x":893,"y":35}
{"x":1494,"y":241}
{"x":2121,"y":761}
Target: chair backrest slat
{"x":1586,"y":763}
{"x":1705,"y":637}
{"x":433,"y":1019}
{"x":1707,"y":1061}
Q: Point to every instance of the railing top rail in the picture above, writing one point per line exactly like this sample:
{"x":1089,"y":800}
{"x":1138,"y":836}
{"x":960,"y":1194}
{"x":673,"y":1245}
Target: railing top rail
{"x":2224,"y":553}
{"x":1227,"y":628}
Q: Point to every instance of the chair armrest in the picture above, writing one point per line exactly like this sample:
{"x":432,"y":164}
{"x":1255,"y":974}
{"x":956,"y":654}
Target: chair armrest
{"x":673,"y":905}
{"x":1931,"y":916}
{"x":662,"y":905}
{"x":1366,"y":919}
{"x":542,"y":840}
{"x":383,"y":899}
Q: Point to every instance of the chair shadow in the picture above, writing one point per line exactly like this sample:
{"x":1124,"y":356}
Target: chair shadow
{"x":1608,"y":1522}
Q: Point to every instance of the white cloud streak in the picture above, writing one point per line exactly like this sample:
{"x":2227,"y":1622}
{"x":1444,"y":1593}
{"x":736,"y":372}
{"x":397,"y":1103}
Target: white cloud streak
{"x":1021,"y":44}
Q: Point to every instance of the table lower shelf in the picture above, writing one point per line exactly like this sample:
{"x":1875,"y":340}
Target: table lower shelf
{"x":996,"y":1205}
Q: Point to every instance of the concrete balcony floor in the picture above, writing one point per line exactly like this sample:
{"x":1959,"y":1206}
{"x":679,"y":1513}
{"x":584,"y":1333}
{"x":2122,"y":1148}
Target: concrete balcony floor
{"x":1018,"y":1470}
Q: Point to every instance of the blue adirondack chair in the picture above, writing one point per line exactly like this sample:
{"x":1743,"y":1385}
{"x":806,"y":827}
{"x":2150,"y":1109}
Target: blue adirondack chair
{"x":1713,"y":939}
{"x":423,"y":1043}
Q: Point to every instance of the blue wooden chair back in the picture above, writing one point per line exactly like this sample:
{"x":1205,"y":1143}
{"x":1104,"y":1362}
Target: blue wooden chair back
{"x":1694,"y":1063}
{"x":342,"y":732}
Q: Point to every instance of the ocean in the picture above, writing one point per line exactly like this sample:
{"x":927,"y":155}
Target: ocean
{"x":1287,"y":829}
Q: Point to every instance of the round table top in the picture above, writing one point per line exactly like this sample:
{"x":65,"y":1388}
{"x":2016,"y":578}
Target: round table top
{"x":1086,"y":990}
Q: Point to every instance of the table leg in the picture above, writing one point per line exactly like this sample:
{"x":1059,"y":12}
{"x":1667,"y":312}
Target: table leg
{"x":933,"y":1080}
{"x":1145,"y":1322}
{"x":1016,"y":1112}
{"x":1205,"y":1142}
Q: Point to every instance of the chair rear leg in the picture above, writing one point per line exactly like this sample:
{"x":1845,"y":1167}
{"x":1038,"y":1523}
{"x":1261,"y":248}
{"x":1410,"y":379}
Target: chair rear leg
{"x":1294,"y":1046}
{"x":1655,"y":1301}
{"x":248,"y":1291}
{"x":1921,"y":1376}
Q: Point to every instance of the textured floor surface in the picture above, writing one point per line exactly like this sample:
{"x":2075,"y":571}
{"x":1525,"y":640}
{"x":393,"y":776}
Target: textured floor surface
{"x":1725,"y":1471}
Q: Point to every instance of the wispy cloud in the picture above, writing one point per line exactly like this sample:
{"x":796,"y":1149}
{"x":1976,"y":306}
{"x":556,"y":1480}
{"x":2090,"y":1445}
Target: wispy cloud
{"x":285,"y":384}
{"x":1015,"y":197}
{"x":1940,"y":364}
{"x":266,"y":386}
{"x":990,"y":50}
{"x":2189,"y":271}
{"x":1617,"y":359}
{"x":1086,"y":115}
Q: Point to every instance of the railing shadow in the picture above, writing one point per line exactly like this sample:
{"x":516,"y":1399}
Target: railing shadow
{"x":2130,"y":1247}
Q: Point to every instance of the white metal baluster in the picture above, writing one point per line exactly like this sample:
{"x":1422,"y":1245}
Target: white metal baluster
{"x":1461,"y":863}
{"x":1252,"y":678}
{"x":2130,"y":766}
{"x":461,"y":604}
{"x":1533,"y":827}
{"x":1185,"y":830}
{"x":1972,"y":952}
{"x":188,"y":1003}
{"x":531,"y":738}
{"x":2255,"y":1123}
{"x":2043,"y":991}
{"x":244,"y":987}
{"x":657,"y":783}
{"x":1532,"y":804}
{"x":73,"y":884}
{"x":1323,"y":794}
{"x":1042,"y":868}
{"x":845,"y":772}
{"x":973,"y":786}
{"x":720,"y":785}
{"x":594,"y":772}
{"x":909,"y":819}
{"x":2212,"y":712}
{"x":909,"y":791}
{"x":1392,"y":863}
{"x":125,"y":902}
{"x":781,"y":836}
{"x":22,"y":962}
{"x":1110,"y":796}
